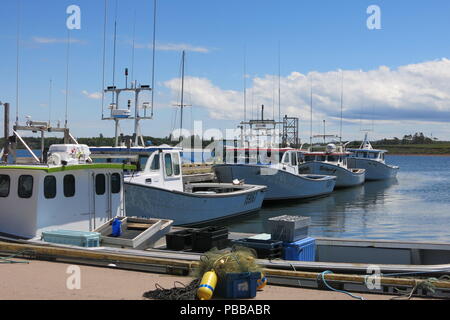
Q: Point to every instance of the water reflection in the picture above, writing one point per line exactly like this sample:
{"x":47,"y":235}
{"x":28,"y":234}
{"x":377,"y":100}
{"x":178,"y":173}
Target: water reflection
{"x":328,"y":214}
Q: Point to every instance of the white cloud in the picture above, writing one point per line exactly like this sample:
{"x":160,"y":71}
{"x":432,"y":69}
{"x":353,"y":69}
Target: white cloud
{"x":46,"y":40}
{"x":93,"y":95}
{"x":173,"y":47}
{"x":417,"y":92}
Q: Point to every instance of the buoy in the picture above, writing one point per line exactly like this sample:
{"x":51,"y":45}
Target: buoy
{"x":261,"y":282}
{"x":207,"y":285}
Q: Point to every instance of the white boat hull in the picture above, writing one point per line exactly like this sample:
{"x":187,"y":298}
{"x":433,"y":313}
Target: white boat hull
{"x":345,"y":177}
{"x":281,"y":185}
{"x":375,"y":170}
{"x":186,"y":208}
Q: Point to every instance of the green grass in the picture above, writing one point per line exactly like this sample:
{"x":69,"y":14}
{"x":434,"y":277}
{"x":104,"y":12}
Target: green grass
{"x":432,"y":149}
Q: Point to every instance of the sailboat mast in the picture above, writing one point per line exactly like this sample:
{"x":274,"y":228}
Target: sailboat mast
{"x":153,"y":57}
{"x":342,"y":105}
{"x":182,"y":92}
{"x":311,"y":117}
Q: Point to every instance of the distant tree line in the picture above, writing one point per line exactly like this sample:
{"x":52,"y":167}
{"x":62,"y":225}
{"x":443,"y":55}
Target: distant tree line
{"x":417,"y":138}
{"x":35,"y":142}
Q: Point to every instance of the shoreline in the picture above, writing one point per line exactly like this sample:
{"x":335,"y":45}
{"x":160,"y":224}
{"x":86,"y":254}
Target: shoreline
{"x":420,"y":154}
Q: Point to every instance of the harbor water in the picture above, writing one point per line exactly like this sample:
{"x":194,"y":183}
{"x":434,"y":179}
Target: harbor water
{"x":413,"y":207}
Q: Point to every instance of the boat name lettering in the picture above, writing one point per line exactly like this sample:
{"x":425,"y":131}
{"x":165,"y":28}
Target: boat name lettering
{"x":250,"y":198}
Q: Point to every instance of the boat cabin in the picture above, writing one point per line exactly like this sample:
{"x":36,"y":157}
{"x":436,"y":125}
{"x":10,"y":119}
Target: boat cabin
{"x":368,"y":154}
{"x":155,"y":166}
{"x":68,"y":192}
{"x":257,"y":156}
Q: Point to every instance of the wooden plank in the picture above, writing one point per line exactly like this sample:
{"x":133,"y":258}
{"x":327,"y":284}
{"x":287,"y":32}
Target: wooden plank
{"x":138,"y":226}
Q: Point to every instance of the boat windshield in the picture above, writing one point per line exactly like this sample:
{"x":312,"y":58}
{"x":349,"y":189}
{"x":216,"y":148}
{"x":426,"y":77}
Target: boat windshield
{"x":334,"y":158}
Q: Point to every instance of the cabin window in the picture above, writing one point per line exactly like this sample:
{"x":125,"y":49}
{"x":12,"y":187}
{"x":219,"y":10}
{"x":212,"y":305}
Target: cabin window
{"x":5,"y":182}
{"x":322,"y":158}
{"x":142,"y":162}
{"x":333,"y":158}
{"x":69,"y":186}
{"x":100,"y":184}
{"x":310,"y":158}
{"x":294,"y":159}
{"x":287,"y":158}
{"x":25,"y":187}
{"x":168,"y":164}
{"x":115,"y":182}
{"x":155,"y":163}
{"x":176,"y":164}
{"x":49,"y":187}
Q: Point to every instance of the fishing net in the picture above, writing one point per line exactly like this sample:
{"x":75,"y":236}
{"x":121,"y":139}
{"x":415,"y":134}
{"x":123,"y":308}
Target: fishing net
{"x":236,"y":260}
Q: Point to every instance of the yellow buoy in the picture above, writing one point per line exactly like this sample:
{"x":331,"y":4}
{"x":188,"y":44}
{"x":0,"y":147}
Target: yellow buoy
{"x":261,"y":282}
{"x":207,"y":285}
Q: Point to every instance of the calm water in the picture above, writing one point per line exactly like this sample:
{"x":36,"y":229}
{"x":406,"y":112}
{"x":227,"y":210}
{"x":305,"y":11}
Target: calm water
{"x":415,"y":206}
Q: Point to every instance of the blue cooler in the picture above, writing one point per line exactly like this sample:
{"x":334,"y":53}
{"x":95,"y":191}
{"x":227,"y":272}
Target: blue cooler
{"x":301,"y":250}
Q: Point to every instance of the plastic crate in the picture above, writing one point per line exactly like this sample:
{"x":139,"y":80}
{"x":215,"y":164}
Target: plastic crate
{"x":238,"y":285}
{"x":74,"y":238}
{"x":302,"y":250}
{"x":179,"y":240}
{"x":289,"y":228}
{"x":265,"y":249}
{"x":210,"y":237}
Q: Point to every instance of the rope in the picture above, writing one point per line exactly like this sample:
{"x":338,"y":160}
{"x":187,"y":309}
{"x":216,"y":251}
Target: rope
{"x":337,"y":290}
{"x":188,"y":292}
{"x":8,"y":259}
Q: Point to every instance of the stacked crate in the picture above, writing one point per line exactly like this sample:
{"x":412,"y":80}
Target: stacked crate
{"x":293,"y":232}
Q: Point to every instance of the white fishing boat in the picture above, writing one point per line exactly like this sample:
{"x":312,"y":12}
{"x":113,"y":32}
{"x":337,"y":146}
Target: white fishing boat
{"x":260,"y":160}
{"x":372,"y":160}
{"x":331,"y":162}
{"x":62,"y":189}
{"x":157,"y":190}
{"x":282,"y":177}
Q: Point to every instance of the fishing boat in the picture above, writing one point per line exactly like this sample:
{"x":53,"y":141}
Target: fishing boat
{"x":261,"y":161}
{"x":61,"y":189}
{"x":332,"y":162}
{"x":157,"y":189}
{"x":372,"y":160}
{"x":282,"y":177}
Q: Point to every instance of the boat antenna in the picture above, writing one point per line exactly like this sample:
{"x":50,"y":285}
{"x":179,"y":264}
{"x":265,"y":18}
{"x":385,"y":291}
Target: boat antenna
{"x":153,"y":56}
{"x":18,"y":61}
{"x":279,"y":82}
{"x":114,"y":51}
{"x":50,"y":102}
{"x":311,"y":114}
{"x":67,"y":76}
{"x":342,"y":104}
{"x":104,"y":57}
{"x":245,"y":83}
{"x":132,"y":49}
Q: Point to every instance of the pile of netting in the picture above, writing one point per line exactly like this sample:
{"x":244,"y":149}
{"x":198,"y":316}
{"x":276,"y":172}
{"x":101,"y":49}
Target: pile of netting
{"x":236,"y":260}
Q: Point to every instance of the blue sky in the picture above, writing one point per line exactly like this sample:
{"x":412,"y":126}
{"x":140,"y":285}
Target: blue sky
{"x":395,"y":75}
